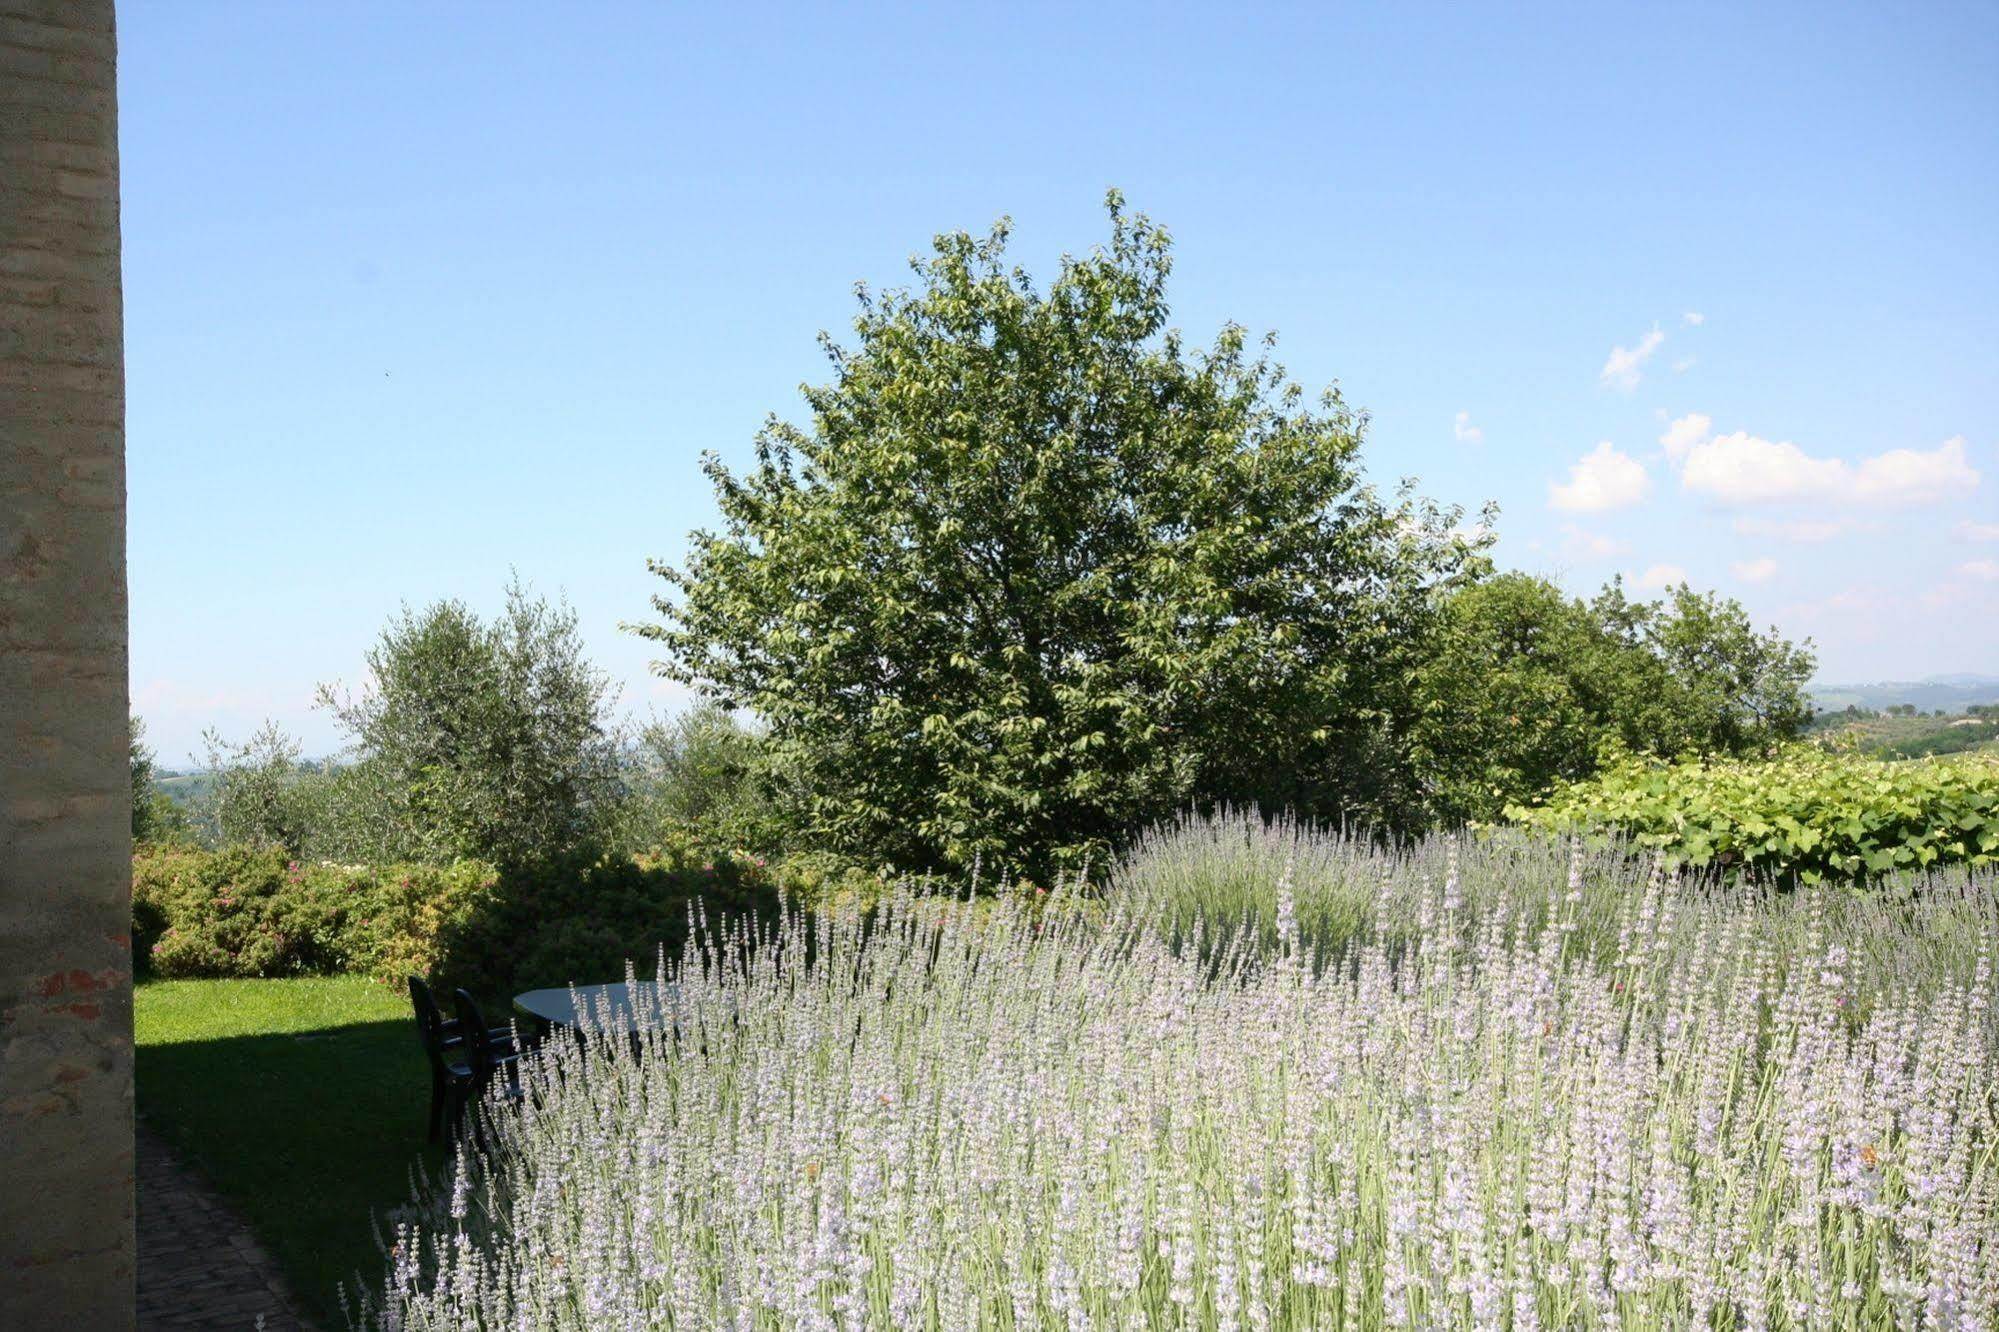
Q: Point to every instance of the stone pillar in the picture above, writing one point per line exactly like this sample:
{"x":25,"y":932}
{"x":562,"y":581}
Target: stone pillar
{"x":66,"y":1246}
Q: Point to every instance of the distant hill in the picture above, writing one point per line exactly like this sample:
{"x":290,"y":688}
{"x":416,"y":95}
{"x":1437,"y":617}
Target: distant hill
{"x":1952,"y":693}
{"x":186,"y":788}
{"x":1912,"y":737}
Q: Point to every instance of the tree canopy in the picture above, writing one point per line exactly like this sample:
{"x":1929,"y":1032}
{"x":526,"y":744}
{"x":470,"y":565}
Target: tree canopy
{"x":1034,"y":572}
{"x":1523,"y":688}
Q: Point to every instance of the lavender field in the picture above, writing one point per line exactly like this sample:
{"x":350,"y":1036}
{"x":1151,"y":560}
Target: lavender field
{"x":1271,"y":1080}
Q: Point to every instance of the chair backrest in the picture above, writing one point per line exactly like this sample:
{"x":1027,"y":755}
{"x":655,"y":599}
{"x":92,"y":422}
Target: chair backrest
{"x":432,"y":1030}
{"x":473,"y":1024}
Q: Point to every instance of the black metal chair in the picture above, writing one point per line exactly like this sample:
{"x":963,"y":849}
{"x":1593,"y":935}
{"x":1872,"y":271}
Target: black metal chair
{"x":452,"y":1074}
{"x":444,"y":1046}
{"x":492,"y":1053}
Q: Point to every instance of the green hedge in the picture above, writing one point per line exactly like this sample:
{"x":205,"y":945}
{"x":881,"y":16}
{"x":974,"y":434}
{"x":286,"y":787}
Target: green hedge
{"x":246,"y":911}
{"x":243,"y":912}
{"x":1805,"y":817}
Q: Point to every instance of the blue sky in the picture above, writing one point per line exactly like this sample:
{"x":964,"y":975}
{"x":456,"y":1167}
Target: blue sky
{"x":419,"y":295}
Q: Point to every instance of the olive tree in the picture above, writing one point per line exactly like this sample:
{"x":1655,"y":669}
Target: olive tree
{"x":262,"y":793}
{"x":698,"y":773}
{"x":486,"y":739}
{"x":1035,"y":572}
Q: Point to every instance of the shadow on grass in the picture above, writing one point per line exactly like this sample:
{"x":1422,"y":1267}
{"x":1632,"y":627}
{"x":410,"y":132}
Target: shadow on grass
{"x":307,"y":1134}
{"x":303,"y":1101}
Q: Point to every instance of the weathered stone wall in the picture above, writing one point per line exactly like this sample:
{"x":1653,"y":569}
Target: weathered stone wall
{"x":66,"y":1255}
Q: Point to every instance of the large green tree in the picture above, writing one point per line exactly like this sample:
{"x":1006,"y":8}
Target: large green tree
{"x":1734,"y":690}
{"x":1514,"y":694}
{"x":1522,"y":688}
{"x":1034,"y":572}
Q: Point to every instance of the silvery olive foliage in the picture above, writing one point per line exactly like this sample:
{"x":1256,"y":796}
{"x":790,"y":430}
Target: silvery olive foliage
{"x":263,"y":793}
{"x":1528,"y":1088}
{"x":702,"y":772}
{"x":490,"y":740}
{"x":1034,"y":572}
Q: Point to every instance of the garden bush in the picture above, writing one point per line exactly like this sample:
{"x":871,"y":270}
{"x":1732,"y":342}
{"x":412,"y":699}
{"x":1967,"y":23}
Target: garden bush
{"x":247,"y":911}
{"x":578,"y":918}
{"x":1808,"y":816}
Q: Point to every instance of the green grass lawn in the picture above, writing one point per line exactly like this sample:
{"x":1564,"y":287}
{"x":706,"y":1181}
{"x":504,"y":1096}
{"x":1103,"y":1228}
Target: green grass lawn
{"x":302,"y":1101}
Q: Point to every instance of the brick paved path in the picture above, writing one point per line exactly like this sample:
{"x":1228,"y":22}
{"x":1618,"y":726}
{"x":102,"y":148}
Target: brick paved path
{"x":198,"y":1266}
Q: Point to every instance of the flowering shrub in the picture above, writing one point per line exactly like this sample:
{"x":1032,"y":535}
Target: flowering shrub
{"x":248,"y":911}
{"x":1724,"y":1116}
{"x":1808,"y":817}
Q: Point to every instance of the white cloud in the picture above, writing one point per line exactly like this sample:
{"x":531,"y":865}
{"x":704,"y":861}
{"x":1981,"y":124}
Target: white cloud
{"x":1464,"y":431}
{"x":1692,"y":319}
{"x":1745,"y":469}
{"x":1684,"y":433}
{"x":1742,"y":468}
{"x":1473,"y":532}
{"x":1684,"y":364}
{"x":1902,"y":476}
{"x":1979,"y":531}
{"x":1659,"y":577}
{"x":1596,"y":545}
{"x":1621,"y":369}
{"x":1984,"y":569}
{"x":1602,"y":479}
{"x":1789,"y":529}
{"x":1754,"y":571}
